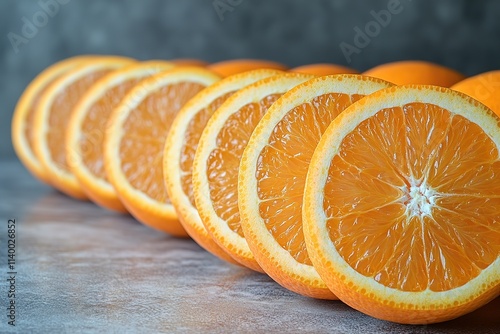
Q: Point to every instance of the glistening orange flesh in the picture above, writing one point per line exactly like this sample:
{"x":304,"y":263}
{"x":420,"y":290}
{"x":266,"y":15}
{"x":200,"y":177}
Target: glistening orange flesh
{"x":273,"y":172}
{"x":23,"y":120}
{"x":182,"y":143}
{"x":135,"y":140}
{"x":217,"y":161}
{"x":141,"y":160}
{"x":193,"y":134}
{"x":408,"y":231}
{"x":282,"y":167}
{"x":88,"y":123}
{"x":52,"y":117}
{"x":223,"y":162}
{"x":63,"y":103}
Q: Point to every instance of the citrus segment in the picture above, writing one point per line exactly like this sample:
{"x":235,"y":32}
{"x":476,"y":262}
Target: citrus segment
{"x":181,"y":145}
{"x":87,"y":125}
{"x":53,"y":113}
{"x":217,"y":159}
{"x":273,"y":171}
{"x":23,"y":120}
{"x":416,"y":242}
{"x":135,"y":141}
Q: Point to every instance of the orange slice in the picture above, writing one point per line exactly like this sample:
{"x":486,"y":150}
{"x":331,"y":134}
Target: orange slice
{"x":402,"y":202}
{"x":135,"y":139}
{"x":87,"y":125}
{"x":217,"y":159}
{"x":22,"y":121}
{"x":323,"y":69}
{"x":273,"y":172}
{"x":181,"y":145}
{"x":52,"y":116}
{"x":230,"y":67}
{"x":484,"y":87}
{"x":416,"y":72}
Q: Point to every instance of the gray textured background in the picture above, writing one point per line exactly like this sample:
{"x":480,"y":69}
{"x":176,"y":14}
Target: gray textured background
{"x":461,"y":34}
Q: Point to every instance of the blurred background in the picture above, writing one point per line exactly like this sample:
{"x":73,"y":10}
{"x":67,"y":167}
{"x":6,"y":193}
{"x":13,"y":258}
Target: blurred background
{"x":462,"y":34}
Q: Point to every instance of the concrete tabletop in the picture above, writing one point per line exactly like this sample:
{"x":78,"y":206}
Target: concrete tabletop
{"x":80,"y":268}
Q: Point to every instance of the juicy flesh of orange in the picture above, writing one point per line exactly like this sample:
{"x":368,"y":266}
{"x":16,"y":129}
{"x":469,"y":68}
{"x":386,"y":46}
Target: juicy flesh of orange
{"x":61,"y":106}
{"x":191,"y":140}
{"x":30,"y":115}
{"x":282,"y":167}
{"x":93,"y":127}
{"x":412,"y":198}
{"x":144,"y":134}
{"x":223,"y":162}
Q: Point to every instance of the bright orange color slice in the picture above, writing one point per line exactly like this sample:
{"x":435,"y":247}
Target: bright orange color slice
{"x":402,"y":205}
{"x":52,"y":116}
{"x":484,"y":87}
{"x":416,"y":72}
{"x":181,"y":145}
{"x":23,"y":119}
{"x":273,"y":172}
{"x":217,"y":159}
{"x":229,"y":67}
{"x":135,"y":140}
{"x":87,"y":125}
{"x":321,"y":69}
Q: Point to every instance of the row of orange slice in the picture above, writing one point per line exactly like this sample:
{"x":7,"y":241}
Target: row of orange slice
{"x":337,"y":186}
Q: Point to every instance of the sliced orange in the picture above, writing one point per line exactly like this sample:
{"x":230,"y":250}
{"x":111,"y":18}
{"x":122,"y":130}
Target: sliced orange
{"x":135,"y":139}
{"x":22,"y":121}
{"x":181,"y":145}
{"x":229,"y":67}
{"x":484,"y":87}
{"x":87,"y":125}
{"x":416,"y":72}
{"x":217,"y":159}
{"x":273,"y":172}
{"x":52,"y":116}
{"x":322,"y":69}
{"x":402,"y":205}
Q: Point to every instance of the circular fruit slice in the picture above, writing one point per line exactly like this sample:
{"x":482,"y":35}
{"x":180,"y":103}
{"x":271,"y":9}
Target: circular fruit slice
{"x":273,"y":172}
{"x":217,"y":159}
{"x":323,"y":69}
{"x":135,"y":139}
{"x":52,"y":116}
{"x":484,"y":87}
{"x":22,"y":121}
{"x":402,"y":202}
{"x":229,"y":67}
{"x":416,"y":72}
{"x":87,"y":125}
{"x":181,"y":145}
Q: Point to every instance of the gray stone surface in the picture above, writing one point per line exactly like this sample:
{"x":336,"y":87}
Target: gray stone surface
{"x":463,"y":34}
{"x":81,"y":269}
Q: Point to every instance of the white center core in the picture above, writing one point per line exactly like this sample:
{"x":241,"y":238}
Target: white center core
{"x":419,"y":199}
